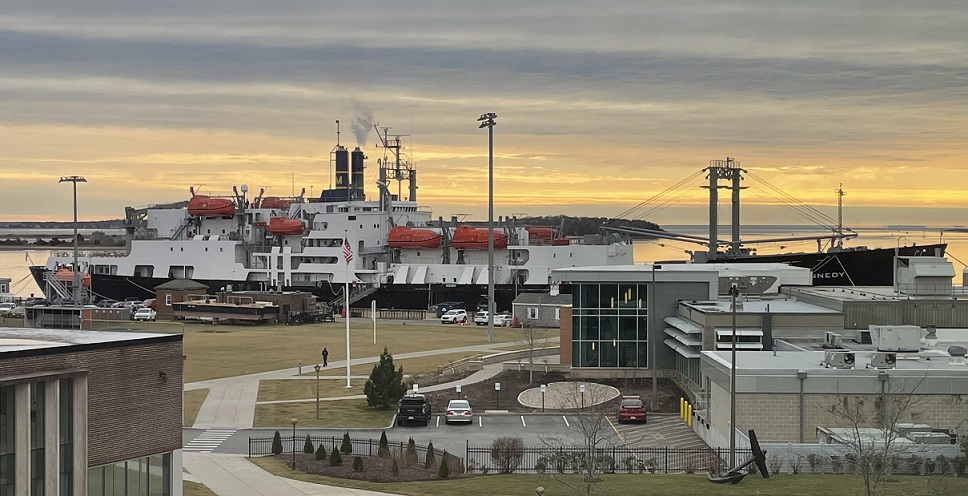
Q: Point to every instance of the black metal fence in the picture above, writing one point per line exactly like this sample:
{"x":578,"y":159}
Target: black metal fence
{"x":639,"y":460}
{"x":260,"y":446}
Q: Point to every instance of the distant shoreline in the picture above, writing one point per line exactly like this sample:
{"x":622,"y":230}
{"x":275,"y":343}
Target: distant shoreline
{"x":59,"y":248}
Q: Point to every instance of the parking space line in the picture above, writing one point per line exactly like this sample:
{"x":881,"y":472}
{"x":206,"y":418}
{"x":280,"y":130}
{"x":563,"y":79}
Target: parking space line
{"x":480,"y":421}
{"x":438,"y":421}
{"x":522,"y":422}
{"x":566,"y":421}
{"x":617,"y":433}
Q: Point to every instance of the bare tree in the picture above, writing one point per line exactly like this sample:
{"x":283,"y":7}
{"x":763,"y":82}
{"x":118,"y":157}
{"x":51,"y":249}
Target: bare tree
{"x":532,"y":338}
{"x":872,"y":425}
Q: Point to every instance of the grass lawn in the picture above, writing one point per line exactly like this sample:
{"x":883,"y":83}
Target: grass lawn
{"x":301,"y":389}
{"x":418,"y":365}
{"x":625,"y":484}
{"x":338,"y":413}
{"x":196,"y":489}
{"x":192,"y":403}
{"x":215,"y":351}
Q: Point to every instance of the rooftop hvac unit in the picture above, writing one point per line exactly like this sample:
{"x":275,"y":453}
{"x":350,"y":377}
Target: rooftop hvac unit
{"x":832,"y":340}
{"x":883,"y":360}
{"x":902,"y":338}
{"x":838,"y":359}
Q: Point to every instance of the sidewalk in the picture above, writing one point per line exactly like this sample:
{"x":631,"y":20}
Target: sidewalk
{"x":233,"y":475}
{"x":231,"y":401}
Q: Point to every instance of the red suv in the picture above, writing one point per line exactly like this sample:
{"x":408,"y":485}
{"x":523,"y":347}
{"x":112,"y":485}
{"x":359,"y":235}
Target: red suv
{"x":631,"y":408}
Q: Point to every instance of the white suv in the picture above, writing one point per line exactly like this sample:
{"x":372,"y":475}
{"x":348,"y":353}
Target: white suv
{"x":457,"y":315}
{"x":480,"y":318}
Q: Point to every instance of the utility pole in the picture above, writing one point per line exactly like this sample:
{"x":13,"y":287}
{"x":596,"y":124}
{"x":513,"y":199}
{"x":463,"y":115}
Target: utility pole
{"x":76,"y":287}
{"x":487,"y":120}
{"x":733,"y":293}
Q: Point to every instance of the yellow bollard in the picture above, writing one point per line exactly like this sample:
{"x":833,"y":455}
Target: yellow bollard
{"x":689,"y":415}
{"x":682,"y":408}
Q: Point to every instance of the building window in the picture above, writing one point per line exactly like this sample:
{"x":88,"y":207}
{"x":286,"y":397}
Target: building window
{"x":37,"y":439}
{"x":8,"y":452}
{"x":557,"y":314}
{"x":533,"y":313}
{"x":168,"y":299}
{"x":147,"y":476}
{"x":66,"y":437}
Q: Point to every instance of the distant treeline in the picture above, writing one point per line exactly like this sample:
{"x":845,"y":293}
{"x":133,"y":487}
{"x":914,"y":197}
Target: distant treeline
{"x":91,"y":224}
{"x":578,"y":226}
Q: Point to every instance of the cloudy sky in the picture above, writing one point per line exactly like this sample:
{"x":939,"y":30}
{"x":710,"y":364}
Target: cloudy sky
{"x":601,"y":105}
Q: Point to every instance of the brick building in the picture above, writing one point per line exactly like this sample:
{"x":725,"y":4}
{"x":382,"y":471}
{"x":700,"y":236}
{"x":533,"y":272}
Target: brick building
{"x":86,"y":412}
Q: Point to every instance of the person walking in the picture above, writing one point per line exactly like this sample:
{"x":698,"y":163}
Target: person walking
{"x":325,"y":356}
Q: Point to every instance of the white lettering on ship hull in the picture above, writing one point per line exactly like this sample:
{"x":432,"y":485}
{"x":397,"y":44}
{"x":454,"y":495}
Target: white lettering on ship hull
{"x":829,"y":275}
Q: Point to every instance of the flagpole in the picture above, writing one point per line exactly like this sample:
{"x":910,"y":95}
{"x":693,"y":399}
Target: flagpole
{"x":346,"y":306}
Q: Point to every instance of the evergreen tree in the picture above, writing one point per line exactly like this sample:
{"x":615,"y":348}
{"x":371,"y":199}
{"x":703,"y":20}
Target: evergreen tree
{"x":335,"y":458}
{"x":444,"y":470}
{"x":347,"y":446}
{"x":396,"y":468}
{"x":308,"y":445}
{"x":321,"y":452}
{"x":430,"y":458}
{"x":357,"y":464}
{"x":385,"y":386}
{"x":411,"y":456}
{"x":384,"y":450}
{"x":276,"y":444}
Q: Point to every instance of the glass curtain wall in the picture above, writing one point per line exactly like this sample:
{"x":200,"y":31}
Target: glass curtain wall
{"x":148,"y":476}
{"x":37,"y":460}
{"x":610,"y":325}
{"x":8,"y":442}
{"x":66,"y":461}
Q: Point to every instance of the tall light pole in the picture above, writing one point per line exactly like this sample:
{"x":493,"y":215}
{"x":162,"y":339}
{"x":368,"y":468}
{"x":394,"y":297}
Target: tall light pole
{"x":76,"y":288}
{"x":487,"y":120}
{"x":294,"y":421}
{"x":897,"y":253}
{"x":733,"y":293}
{"x":317,"y":391}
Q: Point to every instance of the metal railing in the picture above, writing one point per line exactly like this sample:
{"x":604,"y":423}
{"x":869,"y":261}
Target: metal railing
{"x":647,"y":459}
{"x":262,"y":446}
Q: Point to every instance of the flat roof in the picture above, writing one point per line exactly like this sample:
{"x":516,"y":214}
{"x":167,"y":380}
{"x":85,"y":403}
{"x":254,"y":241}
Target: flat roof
{"x":13,"y":339}
{"x":754,"y":362}
{"x":757,"y":305}
{"x":856,"y":293}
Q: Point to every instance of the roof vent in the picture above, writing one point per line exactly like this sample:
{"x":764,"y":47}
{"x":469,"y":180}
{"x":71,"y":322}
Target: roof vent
{"x":957,"y":355}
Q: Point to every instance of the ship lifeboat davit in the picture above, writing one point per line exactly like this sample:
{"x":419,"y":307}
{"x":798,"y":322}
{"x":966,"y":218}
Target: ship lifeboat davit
{"x":283,"y":226}
{"x":407,"y":237}
{"x":204,"y":206}
{"x":67,"y":276}
{"x":275,"y":202}
{"x":545,"y":235}
{"x":468,"y":237}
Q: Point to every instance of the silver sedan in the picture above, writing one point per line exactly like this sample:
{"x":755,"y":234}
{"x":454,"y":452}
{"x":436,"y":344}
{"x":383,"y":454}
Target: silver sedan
{"x":459,"y":411}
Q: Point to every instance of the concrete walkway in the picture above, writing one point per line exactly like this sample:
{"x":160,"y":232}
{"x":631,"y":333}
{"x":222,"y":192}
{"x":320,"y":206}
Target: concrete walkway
{"x":231,"y":401}
{"x":234,"y":475}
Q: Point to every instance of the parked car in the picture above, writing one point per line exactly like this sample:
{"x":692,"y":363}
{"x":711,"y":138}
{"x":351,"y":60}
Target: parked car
{"x":17,"y":311}
{"x":414,"y":408}
{"x":631,"y":409}
{"x":480,"y":318}
{"x":106,"y":303}
{"x":6,"y":308}
{"x":63,"y":302}
{"x":150,"y":303}
{"x":454,"y":317}
{"x":459,"y":411}
{"x":145,"y":314}
{"x":35,"y":301}
{"x":500,"y":320}
{"x":444,"y":306}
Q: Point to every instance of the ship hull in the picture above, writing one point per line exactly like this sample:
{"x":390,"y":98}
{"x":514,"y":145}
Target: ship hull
{"x":857,"y":267}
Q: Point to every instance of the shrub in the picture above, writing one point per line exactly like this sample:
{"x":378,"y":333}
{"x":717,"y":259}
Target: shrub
{"x":814,"y":460}
{"x":928,"y":466}
{"x":444,"y":470}
{"x":276,"y":444}
{"x":385,"y":386}
{"x":410,"y":457}
{"x":836,"y":464}
{"x":347,"y":446}
{"x":944,"y":463}
{"x":384,"y":450}
{"x":357,"y":464}
{"x":430,"y":459}
{"x":308,"y":445}
{"x":335,"y":458}
{"x":396,"y":468}
{"x":507,"y":453}
{"x":914,"y":463}
{"x":321,"y":452}
{"x":541,"y":466}
{"x":796,"y":464}
{"x":775,"y":464}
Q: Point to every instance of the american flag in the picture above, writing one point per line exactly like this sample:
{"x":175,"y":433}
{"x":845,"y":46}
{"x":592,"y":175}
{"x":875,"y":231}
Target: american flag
{"x":347,"y":251}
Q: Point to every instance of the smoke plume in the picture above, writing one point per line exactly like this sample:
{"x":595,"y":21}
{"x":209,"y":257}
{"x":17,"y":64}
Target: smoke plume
{"x":362,"y":122}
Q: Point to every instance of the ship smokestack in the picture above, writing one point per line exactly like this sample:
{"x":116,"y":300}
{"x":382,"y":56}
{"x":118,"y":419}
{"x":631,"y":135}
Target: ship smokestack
{"x":342,"y":168}
{"x":356,"y":170}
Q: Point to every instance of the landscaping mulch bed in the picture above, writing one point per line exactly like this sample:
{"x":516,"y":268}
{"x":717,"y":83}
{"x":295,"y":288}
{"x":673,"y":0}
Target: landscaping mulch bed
{"x":483,"y":397}
{"x":375,"y":469}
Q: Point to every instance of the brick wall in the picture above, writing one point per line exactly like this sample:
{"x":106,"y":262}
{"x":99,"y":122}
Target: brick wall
{"x":132,"y":411}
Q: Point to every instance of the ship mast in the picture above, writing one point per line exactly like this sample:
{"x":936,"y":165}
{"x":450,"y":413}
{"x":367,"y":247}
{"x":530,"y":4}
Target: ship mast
{"x":840,"y":217}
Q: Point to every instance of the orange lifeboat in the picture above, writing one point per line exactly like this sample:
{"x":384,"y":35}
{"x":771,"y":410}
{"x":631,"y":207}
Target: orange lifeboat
{"x":204,"y":206}
{"x":406,"y":237}
{"x":67,"y":276}
{"x":283,"y":226}
{"x":468,"y":237}
{"x":275,"y":202}
{"x":543,"y":233}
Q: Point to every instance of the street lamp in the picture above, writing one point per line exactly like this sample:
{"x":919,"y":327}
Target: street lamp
{"x":76,"y":294}
{"x":733,"y":293}
{"x":487,"y":120}
{"x":317,"y":391}
{"x":581,"y":388}
{"x":294,"y":421}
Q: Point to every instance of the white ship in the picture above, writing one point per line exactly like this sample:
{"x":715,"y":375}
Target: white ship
{"x":400,"y":255}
